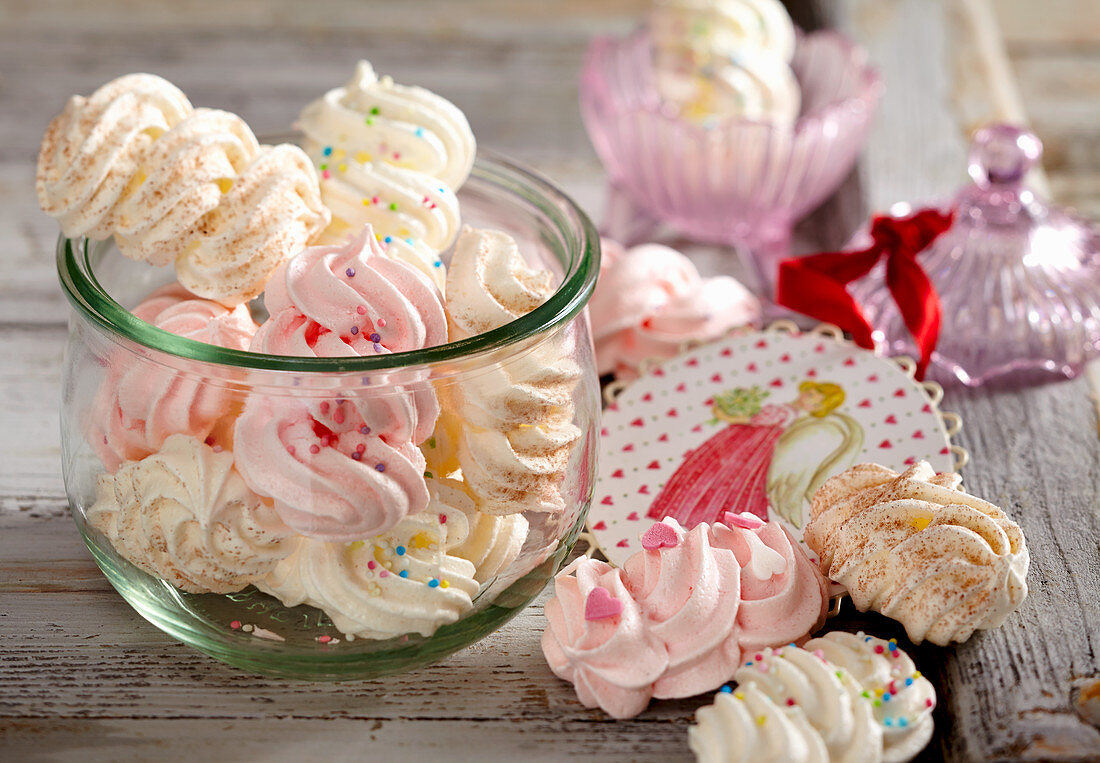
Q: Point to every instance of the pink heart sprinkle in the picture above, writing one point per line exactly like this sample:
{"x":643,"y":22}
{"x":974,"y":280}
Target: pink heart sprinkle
{"x":744,"y":520}
{"x":660,"y":536}
{"x":600,"y":604}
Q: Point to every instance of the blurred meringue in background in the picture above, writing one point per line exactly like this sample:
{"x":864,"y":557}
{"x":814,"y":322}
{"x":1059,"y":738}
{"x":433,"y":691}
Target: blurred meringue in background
{"x":650,"y":299}
{"x":725,"y":58}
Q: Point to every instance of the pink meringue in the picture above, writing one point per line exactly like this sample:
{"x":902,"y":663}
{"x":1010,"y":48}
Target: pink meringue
{"x":784,"y":596}
{"x":331,"y":486}
{"x":352,"y":300}
{"x":650,"y":299}
{"x":690,"y":593}
{"x":611,"y":658}
{"x":711,"y":597}
{"x":140,"y":404}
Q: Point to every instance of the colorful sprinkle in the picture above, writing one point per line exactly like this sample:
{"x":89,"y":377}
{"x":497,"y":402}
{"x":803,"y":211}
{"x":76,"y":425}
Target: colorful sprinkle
{"x":388,"y":239}
{"x":761,"y":720}
{"x":888,"y":721}
{"x":342,"y":167}
{"x":419,"y":132}
{"x":383,"y":574}
{"x":327,"y":151}
{"x":400,"y":550}
{"x":380,"y":467}
{"x":442,"y":519}
{"x":361,"y":310}
{"x":438,"y":263}
{"x":314,"y":449}
{"x":368,"y":121}
{"x":364,"y":429}
{"x":350,"y":272}
{"x":903,"y":722}
{"x":444,"y":584}
{"x":371,"y":565}
{"x":928,"y":703}
{"x":433,"y":583}
{"x":790,"y":701}
{"x":356,"y":456}
{"x":377,"y":347}
{"x":324,"y":639}
{"x":916,"y":674}
{"x":393,"y":206}
{"x":381,"y":323}
{"x":354,"y":330}
{"x":739,"y":694}
{"x":326,"y":174}
{"x":908,"y":681}
{"x":404,"y":573}
{"x":727,"y":689}
{"x":362,"y":157}
{"x":374,"y":110}
{"x":879,"y":649}
{"x":235,"y":625}
{"x":375,"y":337}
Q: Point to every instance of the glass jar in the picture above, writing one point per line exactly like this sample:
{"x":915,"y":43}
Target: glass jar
{"x":132,"y":391}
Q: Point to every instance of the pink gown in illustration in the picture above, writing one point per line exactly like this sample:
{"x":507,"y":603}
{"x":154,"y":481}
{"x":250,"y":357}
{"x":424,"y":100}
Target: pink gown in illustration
{"x":776,"y":458}
{"x":728,"y":472}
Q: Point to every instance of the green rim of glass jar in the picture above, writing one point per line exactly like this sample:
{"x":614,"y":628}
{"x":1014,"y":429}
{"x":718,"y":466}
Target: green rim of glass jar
{"x":581,"y":262}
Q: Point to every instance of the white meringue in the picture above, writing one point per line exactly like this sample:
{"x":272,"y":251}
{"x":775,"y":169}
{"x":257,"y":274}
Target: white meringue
{"x":185,"y":515}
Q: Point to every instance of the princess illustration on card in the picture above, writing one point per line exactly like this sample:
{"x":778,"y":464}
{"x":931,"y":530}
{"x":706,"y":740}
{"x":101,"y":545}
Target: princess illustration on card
{"x":766,"y":454}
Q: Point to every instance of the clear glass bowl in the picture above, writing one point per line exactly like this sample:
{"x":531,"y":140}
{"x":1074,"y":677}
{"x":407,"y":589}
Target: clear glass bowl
{"x":738,"y":182}
{"x":105,"y":340}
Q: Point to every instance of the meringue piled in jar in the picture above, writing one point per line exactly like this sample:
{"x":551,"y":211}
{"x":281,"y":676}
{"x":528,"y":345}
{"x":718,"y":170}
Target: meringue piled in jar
{"x":353,"y":442}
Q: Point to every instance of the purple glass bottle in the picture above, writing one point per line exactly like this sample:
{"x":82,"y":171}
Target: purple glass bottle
{"x":1019,"y":281}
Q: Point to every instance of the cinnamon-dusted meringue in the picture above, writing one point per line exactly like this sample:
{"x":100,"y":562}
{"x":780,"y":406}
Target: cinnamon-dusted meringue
{"x":177,"y":185}
{"x":513,"y":428}
{"x":918,"y":549}
{"x":140,"y":404}
{"x":185,"y":515}
{"x":597,"y":639}
{"x":332,"y":486}
{"x":650,"y":299}
{"x":401,"y":581}
{"x":183,"y":176}
{"x":490,"y":284}
{"x":93,"y":149}
{"x":374,"y":119}
{"x":272,"y":210}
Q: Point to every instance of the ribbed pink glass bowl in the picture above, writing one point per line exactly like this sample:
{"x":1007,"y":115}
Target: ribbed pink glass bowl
{"x":737,"y":182}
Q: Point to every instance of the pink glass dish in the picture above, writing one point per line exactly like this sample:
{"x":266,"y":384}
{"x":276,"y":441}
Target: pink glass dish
{"x":1018,"y":280}
{"x":737,"y":182}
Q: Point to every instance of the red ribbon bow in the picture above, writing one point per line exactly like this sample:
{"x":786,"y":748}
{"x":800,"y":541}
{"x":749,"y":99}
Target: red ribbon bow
{"x":817,"y":285}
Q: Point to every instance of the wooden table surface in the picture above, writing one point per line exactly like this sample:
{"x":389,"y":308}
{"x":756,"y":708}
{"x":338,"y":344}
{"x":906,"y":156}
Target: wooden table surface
{"x":84,"y":677}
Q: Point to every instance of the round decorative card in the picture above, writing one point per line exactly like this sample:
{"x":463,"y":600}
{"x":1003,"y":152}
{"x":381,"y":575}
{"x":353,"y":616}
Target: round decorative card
{"x":757,"y":422}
